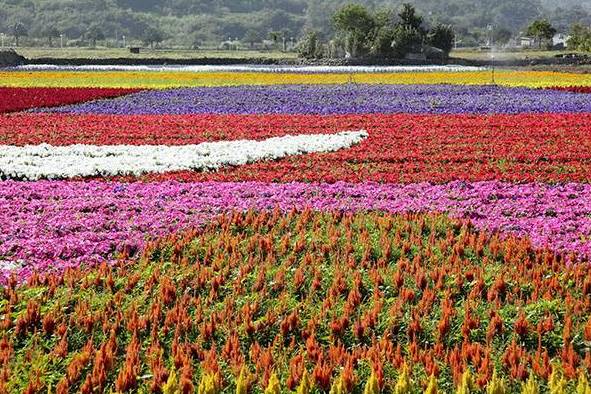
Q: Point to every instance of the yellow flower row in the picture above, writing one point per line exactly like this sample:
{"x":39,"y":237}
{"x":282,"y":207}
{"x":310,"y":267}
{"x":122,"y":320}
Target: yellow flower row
{"x":556,"y":385}
{"x":159,"y":80}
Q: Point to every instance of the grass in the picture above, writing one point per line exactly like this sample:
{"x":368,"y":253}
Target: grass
{"x":339,"y":299}
{"x":116,"y":53}
{"x":502,"y":55}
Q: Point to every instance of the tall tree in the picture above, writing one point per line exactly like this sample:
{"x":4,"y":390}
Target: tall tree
{"x":541,"y":29}
{"x":251,"y":37}
{"x":51,"y":32}
{"x":19,"y":30}
{"x":442,"y":37}
{"x":355,"y":24}
{"x":94,"y":34}
{"x":153,"y":35}
{"x":410,"y":20}
{"x":580,"y":37}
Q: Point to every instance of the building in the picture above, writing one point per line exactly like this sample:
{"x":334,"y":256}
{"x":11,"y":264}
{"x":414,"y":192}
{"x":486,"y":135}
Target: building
{"x":527,"y":42}
{"x":560,"y":41}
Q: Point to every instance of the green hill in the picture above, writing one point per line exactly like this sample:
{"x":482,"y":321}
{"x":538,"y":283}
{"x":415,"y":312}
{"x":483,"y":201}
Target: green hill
{"x":184,"y":22}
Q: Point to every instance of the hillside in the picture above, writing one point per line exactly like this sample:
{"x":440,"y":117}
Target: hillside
{"x":187,"y":22}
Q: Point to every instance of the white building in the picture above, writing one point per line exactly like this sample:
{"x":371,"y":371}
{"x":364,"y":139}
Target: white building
{"x":560,"y":40}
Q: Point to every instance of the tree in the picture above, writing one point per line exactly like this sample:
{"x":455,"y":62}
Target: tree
{"x":251,"y":37}
{"x":275,"y":36}
{"x":410,"y":20}
{"x":311,"y":47}
{"x":406,"y":40}
{"x":94,"y":34}
{"x":502,"y":36}
{"x":580,"y":37}
{"x":355,"y":24}
{"x":442,"y":37}
{"x":51,"y":33}
{"x":384,"y":38}
{"x":153,"y":35}
{"x":541,"y":29}
{"x":19,"y":30}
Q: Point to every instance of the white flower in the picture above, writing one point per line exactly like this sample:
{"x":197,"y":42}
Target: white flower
{"x":254,"y":68}
{"x":34,"y":162}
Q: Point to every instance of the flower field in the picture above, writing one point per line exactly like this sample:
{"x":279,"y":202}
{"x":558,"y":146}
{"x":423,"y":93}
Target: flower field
{"x":176,"y":79}
{"x":310,"y":230}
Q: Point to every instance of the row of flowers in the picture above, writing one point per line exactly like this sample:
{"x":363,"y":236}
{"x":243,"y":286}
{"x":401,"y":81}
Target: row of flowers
{"x":20,"y":99}
{"x":52,"y":225}
{"x":339,"y":99}
{"x":399,"y":149}
{"x":169,"y":79}
{"x":268,"y":301}
{"x":254,"y":68}
{"x":33,"y":162}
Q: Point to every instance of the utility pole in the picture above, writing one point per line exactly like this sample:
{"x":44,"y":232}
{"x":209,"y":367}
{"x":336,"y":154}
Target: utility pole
{"x":61,"y":41}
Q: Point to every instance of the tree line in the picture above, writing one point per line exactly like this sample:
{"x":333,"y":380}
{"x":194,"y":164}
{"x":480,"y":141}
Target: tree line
{"x":384,"y":34}
{"x":191,"y":23}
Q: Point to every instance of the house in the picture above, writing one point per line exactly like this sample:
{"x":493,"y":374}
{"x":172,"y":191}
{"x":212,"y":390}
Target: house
{"x":527,"y":42}
{"x":560,"y":41}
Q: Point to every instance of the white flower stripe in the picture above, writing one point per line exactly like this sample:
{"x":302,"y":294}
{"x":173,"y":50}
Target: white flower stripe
{"x":255,"y":68}
{"x":44,"y":161}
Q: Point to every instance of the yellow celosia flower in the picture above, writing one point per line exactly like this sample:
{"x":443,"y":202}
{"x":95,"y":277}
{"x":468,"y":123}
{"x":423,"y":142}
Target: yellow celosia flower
{"x":171,"y":386}
{"x":208,"y":385}
{"x":530,"y":387}
{"x":242,"y":382}
{"x":273,"y":387}
{"x":583,"y":384}
{"x":338,"y":387}
{"x":372,"y":385}
{"x":496,"y":385}
{"x":305,"y":385}
{"x":466,"y":384}
{"x":557,"y":383}
{"x":432,"y":386}
{"x":403,"y":384}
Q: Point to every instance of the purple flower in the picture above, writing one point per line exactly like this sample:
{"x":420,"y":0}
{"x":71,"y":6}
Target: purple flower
{"x":339,"y":99}
{"x":50,"y":225}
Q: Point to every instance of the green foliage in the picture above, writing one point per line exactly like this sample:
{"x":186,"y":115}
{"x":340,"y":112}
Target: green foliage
{"x":19,"y":30}
{"x":580,"y":38}
{"x":442,"y":37}
{"x":208,"y":22}
{"x":94,"y":34}
{"x":251,"y":37}
{"x":354,"y":24}
{"x":153,"y":35}
{"x":311,"y":47}
{"x":410,"y":20}
{"x":541,"y":29}
{"x":406,"y":40}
